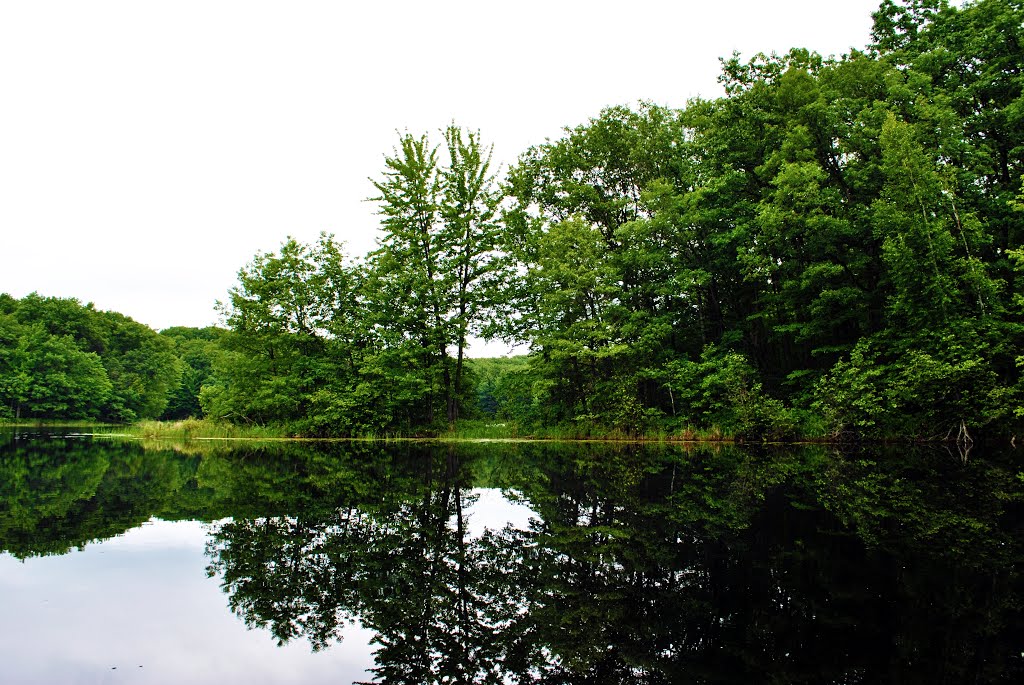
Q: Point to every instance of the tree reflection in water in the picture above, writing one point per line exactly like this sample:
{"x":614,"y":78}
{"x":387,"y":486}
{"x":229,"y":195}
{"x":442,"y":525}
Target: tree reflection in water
{"x":643,"y":565}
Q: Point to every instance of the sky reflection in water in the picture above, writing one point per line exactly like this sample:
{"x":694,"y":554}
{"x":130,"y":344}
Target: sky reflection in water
{"x":138,"y":608}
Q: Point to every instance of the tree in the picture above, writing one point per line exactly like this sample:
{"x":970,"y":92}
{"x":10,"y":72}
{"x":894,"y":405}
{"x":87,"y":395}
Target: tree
{"x":49,"y":377}
{"x":60,"y":340}
{"x":471,"y":199}
{"x":142,"y":367}
{"x":197,"y":348}
{"x":971,"y":57}
{"x":405,"y":272}
{"x":297,"y":334}
{"x":437,"y":276}
{"x":601,"y":268}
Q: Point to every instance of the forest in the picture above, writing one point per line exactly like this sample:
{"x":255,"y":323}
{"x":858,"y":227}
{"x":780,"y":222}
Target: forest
{"x":832,"y":249}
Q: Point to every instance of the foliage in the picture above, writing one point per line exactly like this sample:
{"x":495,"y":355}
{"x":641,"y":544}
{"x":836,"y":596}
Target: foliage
{"x":294,"y":320}
{"x":62,"y":360}
{"x":438,"y":275}
{"x":923,"y":391}
{"x":837,"y":230}
{"x":327,"y":346}
{"x":721,"y":389}
{"x":197,"y":348}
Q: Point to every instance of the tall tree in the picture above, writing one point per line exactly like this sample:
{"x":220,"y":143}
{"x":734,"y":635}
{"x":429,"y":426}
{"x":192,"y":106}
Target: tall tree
{"x":601,"y":302}
{"x":405,"y":277}
{"x":437,"y":274}
{"x":469,"y":209}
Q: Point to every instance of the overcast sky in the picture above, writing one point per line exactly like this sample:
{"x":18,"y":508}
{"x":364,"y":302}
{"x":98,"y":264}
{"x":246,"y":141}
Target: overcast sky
{"x":149,"y":149}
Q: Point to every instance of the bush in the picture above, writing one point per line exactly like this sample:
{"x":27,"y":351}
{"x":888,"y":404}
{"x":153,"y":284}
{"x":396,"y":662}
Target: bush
{"x":922,"y":390}
{"x":722,"y":389}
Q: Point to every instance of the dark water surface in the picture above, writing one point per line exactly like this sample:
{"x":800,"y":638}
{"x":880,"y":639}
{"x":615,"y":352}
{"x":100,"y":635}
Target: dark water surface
{"x":506,"y":563}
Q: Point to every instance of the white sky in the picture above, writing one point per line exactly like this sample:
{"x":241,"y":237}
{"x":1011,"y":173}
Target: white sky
{"x":149,"y":149}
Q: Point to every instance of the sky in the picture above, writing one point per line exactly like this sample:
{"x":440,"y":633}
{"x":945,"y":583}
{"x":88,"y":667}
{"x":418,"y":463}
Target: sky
{"x":148,"y":150}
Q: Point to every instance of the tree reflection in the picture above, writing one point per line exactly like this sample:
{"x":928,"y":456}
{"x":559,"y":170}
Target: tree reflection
{"x":59,"y":494}
{"x":398,"y":557}
{"x":641,"y":564}
{"x":648,"y":566}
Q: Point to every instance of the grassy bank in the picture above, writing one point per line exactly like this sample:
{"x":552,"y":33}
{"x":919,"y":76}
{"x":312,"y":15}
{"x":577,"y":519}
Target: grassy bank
{"x":204,"y":429}
{"x":490,"y":430}
{"x":195,"y":429}
{"x":467,"y":430}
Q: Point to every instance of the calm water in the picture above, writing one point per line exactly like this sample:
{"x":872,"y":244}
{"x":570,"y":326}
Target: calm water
{"x":506,"y":563}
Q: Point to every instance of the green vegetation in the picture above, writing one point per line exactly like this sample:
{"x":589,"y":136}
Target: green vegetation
{"x":188,"y":429}
{"x":830,"y":250}
{"x":196,"y":348}
{"x":61,"y":360}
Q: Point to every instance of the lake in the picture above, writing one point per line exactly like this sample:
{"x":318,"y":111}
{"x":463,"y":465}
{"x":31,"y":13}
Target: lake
{"x":408,"y":562}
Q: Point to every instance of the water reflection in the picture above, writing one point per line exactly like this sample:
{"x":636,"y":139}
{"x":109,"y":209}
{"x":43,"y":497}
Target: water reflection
{"x":139,"y":609}
{"x":638,"y":565}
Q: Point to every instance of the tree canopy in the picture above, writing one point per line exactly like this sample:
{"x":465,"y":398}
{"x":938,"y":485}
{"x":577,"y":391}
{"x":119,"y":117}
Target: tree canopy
{"x":60,"y":359}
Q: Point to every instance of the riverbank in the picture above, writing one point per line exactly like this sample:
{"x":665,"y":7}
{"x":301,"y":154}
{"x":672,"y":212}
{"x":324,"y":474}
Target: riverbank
{"x":204,"y":429}
{"x":467,"y":431}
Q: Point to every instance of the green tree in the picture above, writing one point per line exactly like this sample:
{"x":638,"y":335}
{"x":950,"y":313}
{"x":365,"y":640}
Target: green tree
{"x":293,"y":354}
{"x":197,"y":348}
{"x":49,"y":377}
{"x":142,"y":367}
{"x":469,"y":210}
{"x":10,"y":381}
{"x":970,"y":57}
{"x":601,"y":302}
{"x":437,"y":276}
{"x":405,"y":272}
{"x":139,"y":366}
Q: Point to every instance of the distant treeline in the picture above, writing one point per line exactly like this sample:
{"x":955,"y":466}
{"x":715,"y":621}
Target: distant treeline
{"x":62,"y":360}
{"x":832,"y":248}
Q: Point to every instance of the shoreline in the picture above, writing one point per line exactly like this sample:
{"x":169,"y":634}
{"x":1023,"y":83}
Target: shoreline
{"x":200,"y":430}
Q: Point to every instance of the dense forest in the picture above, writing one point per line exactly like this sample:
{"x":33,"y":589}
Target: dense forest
{"x":832,"y":248}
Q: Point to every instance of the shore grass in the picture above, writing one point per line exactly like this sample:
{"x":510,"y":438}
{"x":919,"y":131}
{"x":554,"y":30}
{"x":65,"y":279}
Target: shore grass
{"x":190,"y":429}
{"x":466,"y":430}
{"x":491,"y":430}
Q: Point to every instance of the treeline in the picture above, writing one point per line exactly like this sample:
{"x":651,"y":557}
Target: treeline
{"x":62,"y":360}
{"x":829,"y":248}
{"x":832,"y":248}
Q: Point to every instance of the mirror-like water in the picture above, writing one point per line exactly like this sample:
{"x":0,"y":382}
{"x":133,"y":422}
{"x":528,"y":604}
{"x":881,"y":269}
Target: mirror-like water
{"x":506,"y":563}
